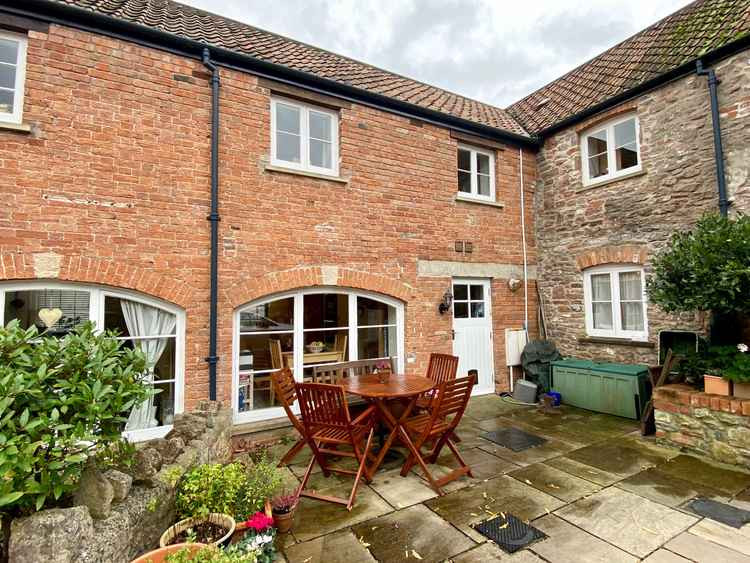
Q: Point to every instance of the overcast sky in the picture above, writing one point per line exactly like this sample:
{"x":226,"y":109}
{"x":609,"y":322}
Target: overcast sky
{"x":496,"y":51}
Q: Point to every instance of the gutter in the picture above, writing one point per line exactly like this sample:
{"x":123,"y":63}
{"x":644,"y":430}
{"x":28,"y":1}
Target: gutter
{"x":721,"y":181}
{"x":79,"y":18}
{"x":676,"y":73}
{"x":214,"y":218}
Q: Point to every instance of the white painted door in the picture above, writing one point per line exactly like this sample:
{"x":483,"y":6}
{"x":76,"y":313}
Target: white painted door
{"x":472,"y":331}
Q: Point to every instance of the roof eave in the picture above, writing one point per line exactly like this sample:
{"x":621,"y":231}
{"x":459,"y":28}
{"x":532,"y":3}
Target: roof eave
{"x":80,"y":18}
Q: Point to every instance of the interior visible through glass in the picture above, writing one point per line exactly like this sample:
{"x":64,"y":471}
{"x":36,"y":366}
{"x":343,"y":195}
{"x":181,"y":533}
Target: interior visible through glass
{"x":601,"y":301}
{"x":597,"y":153}
{"x":66,"y":307}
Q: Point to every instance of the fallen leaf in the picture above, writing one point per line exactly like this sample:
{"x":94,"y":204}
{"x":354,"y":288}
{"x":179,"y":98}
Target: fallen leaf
{"x":484,"y":495}
{"x":546,"y":509}
{"x":552,"y":486}
{"x":374,"y":528}
{"x":363,"y":542}
{"x":503,"y":526}
{"x":415,"y":554}
{"x":473,"y":514}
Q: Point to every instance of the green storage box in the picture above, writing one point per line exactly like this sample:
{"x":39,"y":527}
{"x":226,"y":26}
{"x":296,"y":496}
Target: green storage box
{"x":618,"y":389}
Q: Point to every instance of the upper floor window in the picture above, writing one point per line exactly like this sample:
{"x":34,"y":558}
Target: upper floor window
{"x":12,"y":72}
{"x":615,"y":302}
{"x":610,"y":150}
{"x":304,"y":137}
{"x":476,"y":173}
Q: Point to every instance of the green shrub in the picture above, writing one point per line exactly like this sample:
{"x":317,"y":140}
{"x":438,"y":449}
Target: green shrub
{"x":60,"y":400}
{"x":233,"y":489}
{"x":705,"y":269}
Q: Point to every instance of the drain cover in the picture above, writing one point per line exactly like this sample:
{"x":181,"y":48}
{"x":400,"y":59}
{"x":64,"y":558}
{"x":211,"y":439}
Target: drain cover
{"x":513,"y":438}
{"x":721,"y":512}
{"x":509,"y":532}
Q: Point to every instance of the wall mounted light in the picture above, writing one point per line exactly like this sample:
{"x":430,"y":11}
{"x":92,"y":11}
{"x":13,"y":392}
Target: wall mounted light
{"x":445,"y":304}
{"x":514,"y":284}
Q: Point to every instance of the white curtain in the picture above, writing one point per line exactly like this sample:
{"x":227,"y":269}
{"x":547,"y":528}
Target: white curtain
{"x":144,"y":320}
{"x":631,"y":305}
{"x":601,"y":297}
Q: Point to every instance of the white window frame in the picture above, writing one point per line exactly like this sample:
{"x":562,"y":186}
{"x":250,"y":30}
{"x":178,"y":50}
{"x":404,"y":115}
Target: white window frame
{"x":16,"y":115}
{"x":298,"y":336}
{"x":473,"y":151}
{"x":609,"y":128}
{"x":304,"y":163}
{"x":97,"y":294}
{"x":614,"y":272}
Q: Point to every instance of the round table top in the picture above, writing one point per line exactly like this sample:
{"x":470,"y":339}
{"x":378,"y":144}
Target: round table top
{"x":398,"y":385}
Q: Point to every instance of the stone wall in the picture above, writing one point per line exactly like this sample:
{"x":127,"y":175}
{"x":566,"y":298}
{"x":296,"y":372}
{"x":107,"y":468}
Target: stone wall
{"x":120,"y":515}
{"x":631,"y":219}
{"x":709,"y":425}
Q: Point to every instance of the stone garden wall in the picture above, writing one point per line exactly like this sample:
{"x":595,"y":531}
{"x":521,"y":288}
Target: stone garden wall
{"x":710,"y":425}
{"x":121,"y":515}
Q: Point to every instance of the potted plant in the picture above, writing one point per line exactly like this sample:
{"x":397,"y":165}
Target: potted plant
{"x":383,"y":370}
{"x":167,"y":553}
{"x":209,"y":529}
{"x":738,"y":372}
{"x":258,"y":542}
{"x":283,"y":508}
{"x":716,"y":384}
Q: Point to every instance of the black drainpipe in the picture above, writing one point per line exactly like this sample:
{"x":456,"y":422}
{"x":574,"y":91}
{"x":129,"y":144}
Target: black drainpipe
{"x":213,"y":217}
{"x":713,"y":82}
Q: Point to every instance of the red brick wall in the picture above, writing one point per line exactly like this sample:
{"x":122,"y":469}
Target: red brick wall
{"x":115,"y":179}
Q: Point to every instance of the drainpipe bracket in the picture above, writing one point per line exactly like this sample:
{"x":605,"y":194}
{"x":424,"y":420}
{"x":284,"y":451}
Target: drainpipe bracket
{"x":213,"y":217}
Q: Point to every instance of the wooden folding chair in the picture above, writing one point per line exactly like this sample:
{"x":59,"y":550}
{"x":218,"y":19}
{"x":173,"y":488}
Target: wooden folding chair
{"x":328,"y":426}
{"x":442,"y":368}
{"x":285,"y":391}
{"x":437,"y":426}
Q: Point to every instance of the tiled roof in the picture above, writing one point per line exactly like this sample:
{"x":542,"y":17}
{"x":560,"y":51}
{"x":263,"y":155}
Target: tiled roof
{"x":191,"y":23}
{"x":689,"y":33}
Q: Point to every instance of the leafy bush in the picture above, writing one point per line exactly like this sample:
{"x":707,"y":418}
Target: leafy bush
{"x":706,"y":269}
{"x":60,"y":400}
{"x":211,"y":555}
{"x":232,"y":489}
{"x":731,"y":362}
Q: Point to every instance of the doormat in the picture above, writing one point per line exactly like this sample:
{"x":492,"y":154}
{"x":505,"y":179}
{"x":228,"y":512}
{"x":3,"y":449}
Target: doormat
{"x":510,"y":533}
{"x":513,"y":438}
{"x":721,"y":512}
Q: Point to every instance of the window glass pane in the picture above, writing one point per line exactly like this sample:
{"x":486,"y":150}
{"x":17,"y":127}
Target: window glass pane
{"x":598,"y":166}
{"x":6,"y":101}
{"x":326,"y":310}
{"x":602,"y":315}
{"x":287,"y":118}
{"x":320,"y":154}
{"x":7,"y":76}
{"x":632,"y":316}
{"x":477,"y":292}
{"x":626,"y":156}
{"x":630,"y":286}
{"x":376,"y":342}
{"x":8,"y":51}
{"x":477,"y":310}
{"x":483,"y":184}
{"x":320,"y":126}
{"x":68,"y":306}
{"x":163,"y":349}
{"x":464,"y":182}
{"x":625,"y":133}
{"x":483,"y":164}
{"x":460,"y":291}
{"x":461,"y":310}
{"x":597,"y":142}
{"x":122,"y":315}
{"x":371,"y":312}
{"x":325,"y":346}
{"x":464,"y":160}
{"x":597,"y":153}
{"x":276,"y":315}
{"x":600,"y":287}
{"x":288,"y":147}
{"x":260,"y":354}
{"x":155,"y":411}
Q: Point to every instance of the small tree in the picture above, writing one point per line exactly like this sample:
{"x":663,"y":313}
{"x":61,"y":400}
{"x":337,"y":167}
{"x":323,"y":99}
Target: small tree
{"x":60,"y":399}
{"x":705,"y":269}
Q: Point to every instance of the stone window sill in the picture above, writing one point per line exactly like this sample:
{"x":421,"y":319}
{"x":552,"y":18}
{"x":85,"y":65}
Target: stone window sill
{"x":637,"y":173}
{"x":17,"y":127}
{"x":467,"y":199}
{"x":615,"y":341}
{"x":305,"y":173}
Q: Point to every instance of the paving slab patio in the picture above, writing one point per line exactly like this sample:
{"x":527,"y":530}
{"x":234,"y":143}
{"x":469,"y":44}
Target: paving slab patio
{"x":596,"y":488}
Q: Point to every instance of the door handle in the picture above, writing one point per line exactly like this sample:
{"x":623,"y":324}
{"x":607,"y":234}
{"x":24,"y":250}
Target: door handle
{"x":453,"y":334}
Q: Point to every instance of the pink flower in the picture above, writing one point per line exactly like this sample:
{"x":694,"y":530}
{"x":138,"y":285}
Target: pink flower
{"x":259,"y":522}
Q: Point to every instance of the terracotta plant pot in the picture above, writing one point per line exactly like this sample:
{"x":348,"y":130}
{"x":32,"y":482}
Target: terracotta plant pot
{"x":741,"y":390}
{"x":241,"y":527}
{"x":717,"y":385}
{"x":223,"y":520}
{"x":284,"y":521}
{"x":160,"y":555}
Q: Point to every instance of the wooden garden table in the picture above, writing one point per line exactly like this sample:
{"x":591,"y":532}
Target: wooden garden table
{"x":398,"y":386}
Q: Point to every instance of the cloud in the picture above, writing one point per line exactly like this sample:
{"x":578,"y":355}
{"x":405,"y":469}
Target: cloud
{"x":495,"y":51}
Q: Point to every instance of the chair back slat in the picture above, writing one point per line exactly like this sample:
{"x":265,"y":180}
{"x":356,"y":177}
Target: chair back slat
{"x":442,"y":367}
{"x":277,"y":358}
{"x":322,"y":405}
{"x":452,"y":398}
{"x":283,"y":385}
{"x":334,"y":373}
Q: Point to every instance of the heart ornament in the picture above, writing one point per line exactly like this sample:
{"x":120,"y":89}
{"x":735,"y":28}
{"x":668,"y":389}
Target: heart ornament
{"x":50,"y":316}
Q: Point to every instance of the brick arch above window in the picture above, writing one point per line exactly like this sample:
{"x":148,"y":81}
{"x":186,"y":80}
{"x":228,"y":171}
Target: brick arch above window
{"x":248,"y":290}
{"x":82,"y":269}
{"x":622,"y":254}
